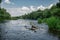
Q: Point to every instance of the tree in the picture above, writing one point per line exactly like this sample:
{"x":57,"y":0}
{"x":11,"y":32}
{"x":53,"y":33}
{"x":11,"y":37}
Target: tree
{"x":59,"y":0}
{"x":58,"y":4}
{"x":0,"y":3}
{"x":46,"y":13}
{"x":4,"y":15}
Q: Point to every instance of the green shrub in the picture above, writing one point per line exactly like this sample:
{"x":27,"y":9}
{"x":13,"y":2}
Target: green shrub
{"x":4,"y":15}
{"x":44,"y":20}
{"x":58,"y":25}
{"x":39,"y":20}
{"x":53,"y":23}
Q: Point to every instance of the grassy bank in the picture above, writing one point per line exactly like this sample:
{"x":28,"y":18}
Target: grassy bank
{"x":52,"y":22}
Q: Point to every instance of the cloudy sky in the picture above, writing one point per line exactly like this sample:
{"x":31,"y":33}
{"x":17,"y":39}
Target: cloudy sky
{"x":20,"y":7}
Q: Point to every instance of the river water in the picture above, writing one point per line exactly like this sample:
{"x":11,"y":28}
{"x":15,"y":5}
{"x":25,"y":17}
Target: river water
{"x":15,"y":30}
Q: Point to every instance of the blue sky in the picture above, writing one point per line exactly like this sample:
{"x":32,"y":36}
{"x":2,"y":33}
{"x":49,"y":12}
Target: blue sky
{"x":20,"y":3}
{"x":20,"y":7}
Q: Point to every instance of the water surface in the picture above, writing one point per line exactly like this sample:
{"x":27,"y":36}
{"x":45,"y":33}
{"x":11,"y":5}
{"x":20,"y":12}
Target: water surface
{"x":15,"y":30}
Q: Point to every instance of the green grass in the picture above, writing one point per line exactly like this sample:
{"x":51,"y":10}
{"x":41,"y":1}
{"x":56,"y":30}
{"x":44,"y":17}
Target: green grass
{"x":52,"y":22}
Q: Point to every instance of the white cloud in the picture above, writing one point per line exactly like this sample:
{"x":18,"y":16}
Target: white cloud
{"x":41,"y":7}
{"x":25,"y":8}
{"x":32,"y":8}
{"x":8,"y":2}
{"x":50,"y":6}
{"x":18,"y":11}
{"x":22,"y":10}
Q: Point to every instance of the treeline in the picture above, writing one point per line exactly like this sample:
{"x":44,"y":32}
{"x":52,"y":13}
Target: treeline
{"x":16,"y":17}
{"x":33,"y":15}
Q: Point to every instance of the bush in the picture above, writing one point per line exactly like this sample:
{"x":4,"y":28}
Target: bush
{"x":4,"y":15}
{"x":53,"y":23}
{"x":39,"y":20}
{"x":44,"y":20}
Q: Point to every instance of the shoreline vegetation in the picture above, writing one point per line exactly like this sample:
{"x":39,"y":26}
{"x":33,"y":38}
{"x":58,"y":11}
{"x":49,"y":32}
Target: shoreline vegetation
{"x":4,"y":15}
{"x":49,"y":16}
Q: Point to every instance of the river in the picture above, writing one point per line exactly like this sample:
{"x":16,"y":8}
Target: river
{"x":15,"y":30}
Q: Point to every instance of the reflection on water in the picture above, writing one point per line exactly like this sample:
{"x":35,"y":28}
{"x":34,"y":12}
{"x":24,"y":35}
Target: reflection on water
{"x":15,"y":30}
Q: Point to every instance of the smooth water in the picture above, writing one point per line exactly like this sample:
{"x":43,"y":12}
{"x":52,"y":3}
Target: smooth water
{"x":15,"y":30}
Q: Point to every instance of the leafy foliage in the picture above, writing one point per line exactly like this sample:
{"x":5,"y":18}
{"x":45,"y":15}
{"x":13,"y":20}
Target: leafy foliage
{"x":33,"y":15}
{"x":39,"y":20}
{"x":4,"y":15}
{"x":52,"y":22}
{"x":0,"y":1}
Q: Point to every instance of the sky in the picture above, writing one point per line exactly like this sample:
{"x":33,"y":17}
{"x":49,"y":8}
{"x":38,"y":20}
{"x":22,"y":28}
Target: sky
{"x":20,"y":7}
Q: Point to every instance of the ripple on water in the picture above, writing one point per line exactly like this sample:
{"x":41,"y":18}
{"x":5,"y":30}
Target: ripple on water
{"x":15,"y":30}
